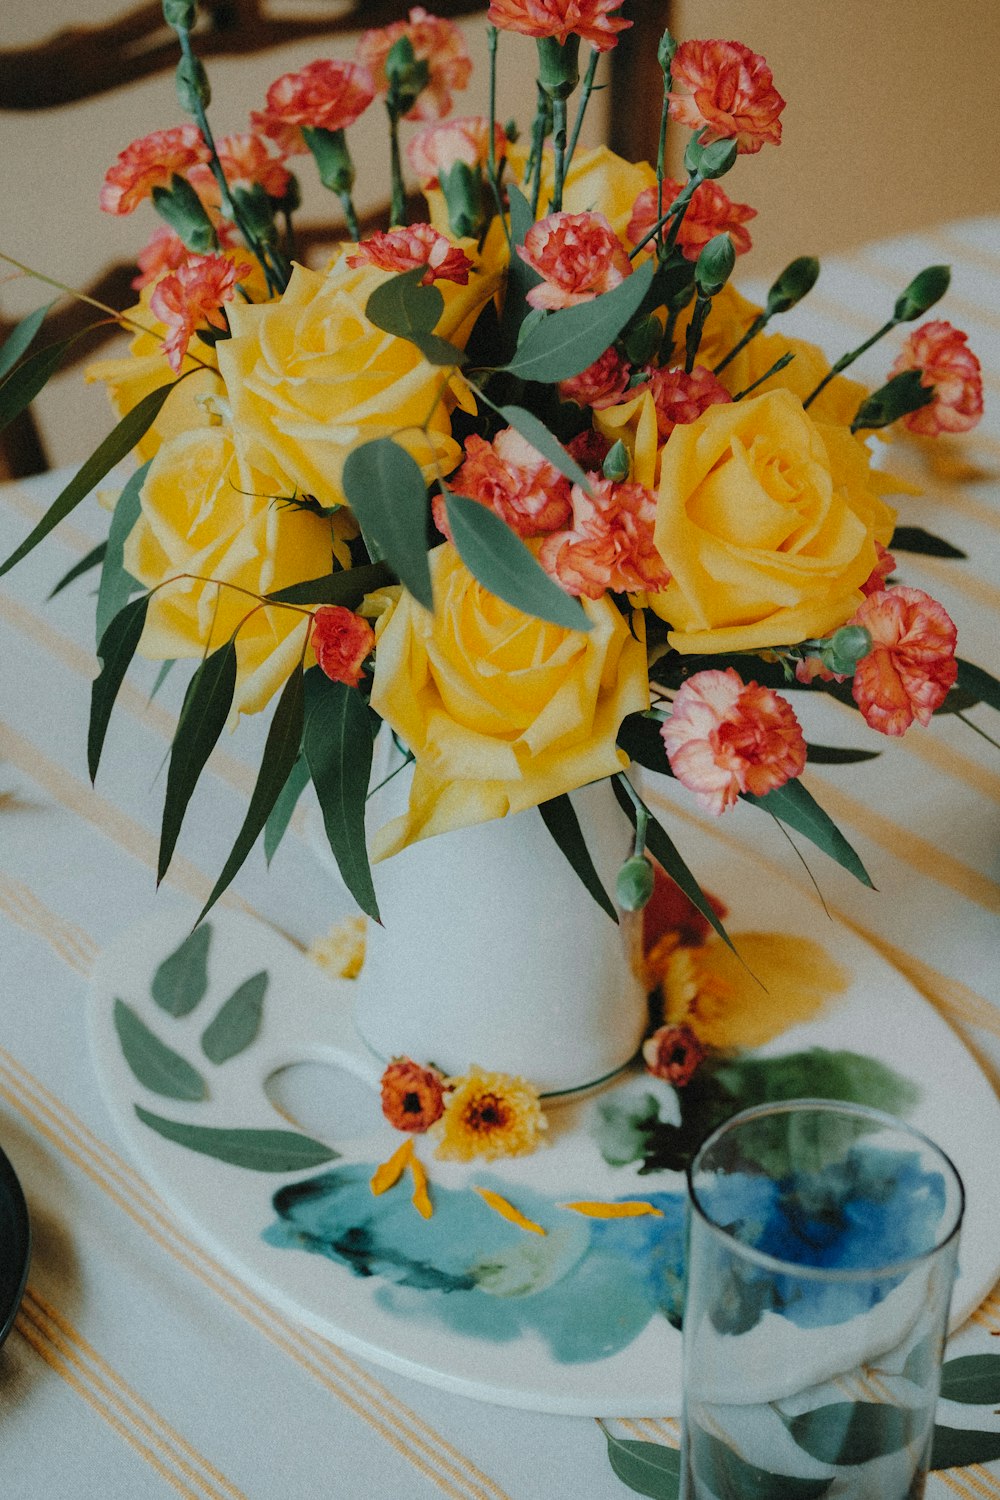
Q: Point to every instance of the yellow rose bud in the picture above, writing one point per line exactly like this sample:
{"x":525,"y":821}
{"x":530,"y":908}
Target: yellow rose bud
{"x":501,"y":710}
{"x":767,"y":521}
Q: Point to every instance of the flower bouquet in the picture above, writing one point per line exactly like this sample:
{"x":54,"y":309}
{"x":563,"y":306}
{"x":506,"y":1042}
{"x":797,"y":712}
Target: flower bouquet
{"x":526,"y":478}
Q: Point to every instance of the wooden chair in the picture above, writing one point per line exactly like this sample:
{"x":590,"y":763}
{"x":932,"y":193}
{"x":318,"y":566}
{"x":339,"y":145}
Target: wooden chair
{"x":84,"y":62}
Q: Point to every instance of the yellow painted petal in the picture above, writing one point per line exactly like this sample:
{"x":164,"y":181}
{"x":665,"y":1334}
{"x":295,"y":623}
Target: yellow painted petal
{"x":389,"y":1173}
{"x":628,"y":1210}
{"x":508,"y":1211}
{"x":421,"y":1197}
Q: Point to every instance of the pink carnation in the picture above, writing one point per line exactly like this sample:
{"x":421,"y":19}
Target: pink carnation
{"x":812,"y":667}
{"x":673,"y":1053}
{"x":911,"y":666}
{"x":414,"y":245}
{"x":882,"y":571}
{"x":512,"y":479}
{"x":245,"y":160}
{"x":164,"y":252}
{"x":680,"y":398}
{"x":193,"y":295}
{"x":726,"y":90}
{"x":435,"y":41}
{"x":601,"y":384}
{"x":577,"y":255}
{"x":341,"y":640}
{"x":324,"y":95}
{"x":710,"y":212}
{"x":589,"y":448}
{"x":149,"y":163}
{"x":725,"y":736}
{"x":592,"y":20}
{"x":611,"y":542}
{"x":437,"y":148}
{"x":941,"y":354}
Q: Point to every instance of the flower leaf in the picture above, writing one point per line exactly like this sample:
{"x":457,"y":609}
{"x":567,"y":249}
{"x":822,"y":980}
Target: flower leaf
{"x":438,"y":351}
{"x":387,"y":494}
{"x":181,"y":980}
{"x":851,"y":1432}
{"x":203,"y":716}
{"x":520,"y":276}
{"x":348,"y":586}
{"x":93,"y":559}
{"x":925,"y":543}
{"x":401,"y":306}
{"x":21,"y":385}
{"x":337,"y":745}
{"x":837,"y":755}
{"x":256,"y":1150}
{"x":642,"y":742}
{"x":978,"y":684}
{"x":281,"y":812}
{"x":566,"y":342}
{"x":238,"y":1021}
{"x":117,"y":586}
{"x":723,"y":1472}
{"x":793,"y":805}
{"x":119,"y":442}
{"x":20,"y":338}
{"x":548,"y":445}
{"x":648,"y":1468}
{"x":974,"y":1380}
{"x":559,"y":817}
{"x":157,"y":1067}
{"x":116,"y":651}
{"x":280,"y":752}
{"x":954,"y":1447}
{"x":503,"y":564}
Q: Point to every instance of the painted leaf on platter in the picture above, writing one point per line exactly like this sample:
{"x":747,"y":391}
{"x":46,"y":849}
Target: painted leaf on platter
{"x":117,"y":586}
{"x":181,"y":980}
{"x":281,"y":813}
{"x":851,"y":1432}
{"x":255,"y":1150}
{"x":157,"y":1067}
{"x":237,"y":1023}
{"x":387,"y":494}
{"x":348,"y":586}
{"x":117,"y":648}
{"x":954,"y":1447}
{"x":203,"y":717}
{"x":337,"y":745}
{"x":559,"y":817}
{"x":650,"y":1469}
{"x":21,"y":338}
{"x":793,"y":805}
{"x":93,"y":559}
{"x":568,"y":341}
{"x":974,"y":1379}
{"x":504,"y":565}
{"x":723,"y":1472}
{"x":403,"y":307}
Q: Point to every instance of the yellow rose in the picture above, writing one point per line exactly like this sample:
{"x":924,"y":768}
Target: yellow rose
{"x":601,"y":182}
{"x":838,"y":402}
{"x":308,"y":377}
{"x":501,"y":710}
{"x":205,"y":513}
{"x":767,"y":521}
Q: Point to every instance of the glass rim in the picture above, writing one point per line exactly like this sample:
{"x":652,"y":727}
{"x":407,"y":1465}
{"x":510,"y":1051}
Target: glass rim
{"x":823,"y":1273}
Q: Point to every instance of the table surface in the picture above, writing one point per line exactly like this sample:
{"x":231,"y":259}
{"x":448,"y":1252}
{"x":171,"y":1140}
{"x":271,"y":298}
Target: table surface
{"x":138,"y":1366}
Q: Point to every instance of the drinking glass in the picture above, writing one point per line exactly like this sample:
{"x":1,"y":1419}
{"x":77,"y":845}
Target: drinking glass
{"x":823,"y":1240}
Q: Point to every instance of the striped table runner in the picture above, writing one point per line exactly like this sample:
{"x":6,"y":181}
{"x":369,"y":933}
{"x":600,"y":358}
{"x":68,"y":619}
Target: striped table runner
{"x":139,"y":1366}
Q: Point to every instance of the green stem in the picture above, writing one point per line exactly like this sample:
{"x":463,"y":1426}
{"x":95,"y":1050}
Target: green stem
{"x":848,"y":359}
{"x":559,"y":146}
{"x":347,"y":204}
{"x":702,"y":308}
{"x":641,"y":824}
{"x":779,"y":364}
{"x":397,"y":211}
{"x":977,"y":729}
{"x":586,"y":91}
{"x":679,"y":208}
{"x":756,"y":327}
{"x":661,"y":157}
{"x":534,"y":168}
{"x":491,"y":150}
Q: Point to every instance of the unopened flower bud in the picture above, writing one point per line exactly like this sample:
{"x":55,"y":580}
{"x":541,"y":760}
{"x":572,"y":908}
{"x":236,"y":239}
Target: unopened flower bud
{"x":634,"y":884}
{"x":511,"y":131}
{"x":407,"y":75}
{"x":255,"y":210}
{"x":845,"y":648}
{"x":184,"y":211}
{"x":795,"y":281}
{"x":715,"y":265}
{"x":192,"y":85}
{"x":642,"y":342}
{"x":462,"y":187}
{"x":180,"y":14}
{"x":665,"y":51}
{"x":617,"y":465}
{"x":926,"y":288}
{"x":558,"y":66}
{"x":332,"y":158}
{"x":899,"y":396}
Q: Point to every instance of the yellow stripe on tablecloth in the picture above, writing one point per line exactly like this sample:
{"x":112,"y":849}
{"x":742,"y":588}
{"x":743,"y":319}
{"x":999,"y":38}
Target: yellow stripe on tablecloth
{"x":956,"y":575}
{"x":75,"y":539}
{"x":110,"y":1388}
{"x":956,"y":247}
{"x":19,"y":902}
{"x":974,"y":311}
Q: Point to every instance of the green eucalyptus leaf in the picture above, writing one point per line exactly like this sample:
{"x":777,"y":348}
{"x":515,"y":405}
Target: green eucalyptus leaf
{"x":157,"y":1067}
{"x":203,"y":717}
{"x":117,"y":586}
{"x":954,"y":1447}
{"x":793,"y":805}
{"x":974,"y":1379}
{"x":837,"y":755}
{"x":20,"y":339}
{"x":401,"y":306}
{"x":119,"y":442}
{"x":22,"y":385}
{"x":925,"y":543}
{"x":851,"y":1432}
{"x":116,"y":650}
{"x":504,"y":565}
{"x":642,"y":742}
{"x":438,"y":351}
{"x":281,"y":812}
{"x":548,"y":445}
{"x":238,"y":1020}
{"x":722,"y":1472}
{"x":281,"y":749}
{"x":348,"y":586}
{"x":520,"y":276}
{"x":980,"y":686}
{"x":559,"y":817}
{"x":181,"y":981}
{"x":922,"y":1359}
{"x":570,"y":340}
{"x":337,"y":745}
{"x":256,"y":1150}
{"x":387,"y":494}
{"x":650,"y":1469}
{"x":93,"y":559}
{"x":166,"y":667}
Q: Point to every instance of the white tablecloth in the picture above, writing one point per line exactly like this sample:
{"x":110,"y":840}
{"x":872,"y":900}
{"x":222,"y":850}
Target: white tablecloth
{"x":138,"y":1366}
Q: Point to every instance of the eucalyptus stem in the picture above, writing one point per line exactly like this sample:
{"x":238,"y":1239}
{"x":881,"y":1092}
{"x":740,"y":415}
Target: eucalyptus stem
{"x":848,"y":359}
{"x":122,"y":319}
{"x":397,"y":210}
{"x":559,"y":147}
{"x":585,"y":93}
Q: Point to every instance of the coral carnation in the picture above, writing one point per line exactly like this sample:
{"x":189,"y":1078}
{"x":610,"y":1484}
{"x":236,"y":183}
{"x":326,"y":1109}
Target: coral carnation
{"x":673,"y":1053}
{"x":601,"y":384}
{"x":911,"y":666}
{"x":725,"y":737}
{"x":412,"y":1096}
{"x":437,"y":148}
{"x":710,"y":212}
{"x":193,"y":295}
{"x":437,"y":42}
{"x":592,"y":20}
{"x":941,"y":354}
{"x":680,"y":397}
{"x":341,"y":640}
{"x":324,"y":95}
{"x":589,"y":448}
{"x":514,"y":480}
{"x":489,"y":1115}
{"x":415,"y":245}
{"x":245,"y":161}
{"x":726,"y":90}
{"x":878,"y":577}
{"x":577,"y":255}
{"x":611,"y":543}
{"x":148,"y":163}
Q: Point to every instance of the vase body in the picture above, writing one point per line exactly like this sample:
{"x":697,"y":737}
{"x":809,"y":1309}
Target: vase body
{"x":492,"y":953}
